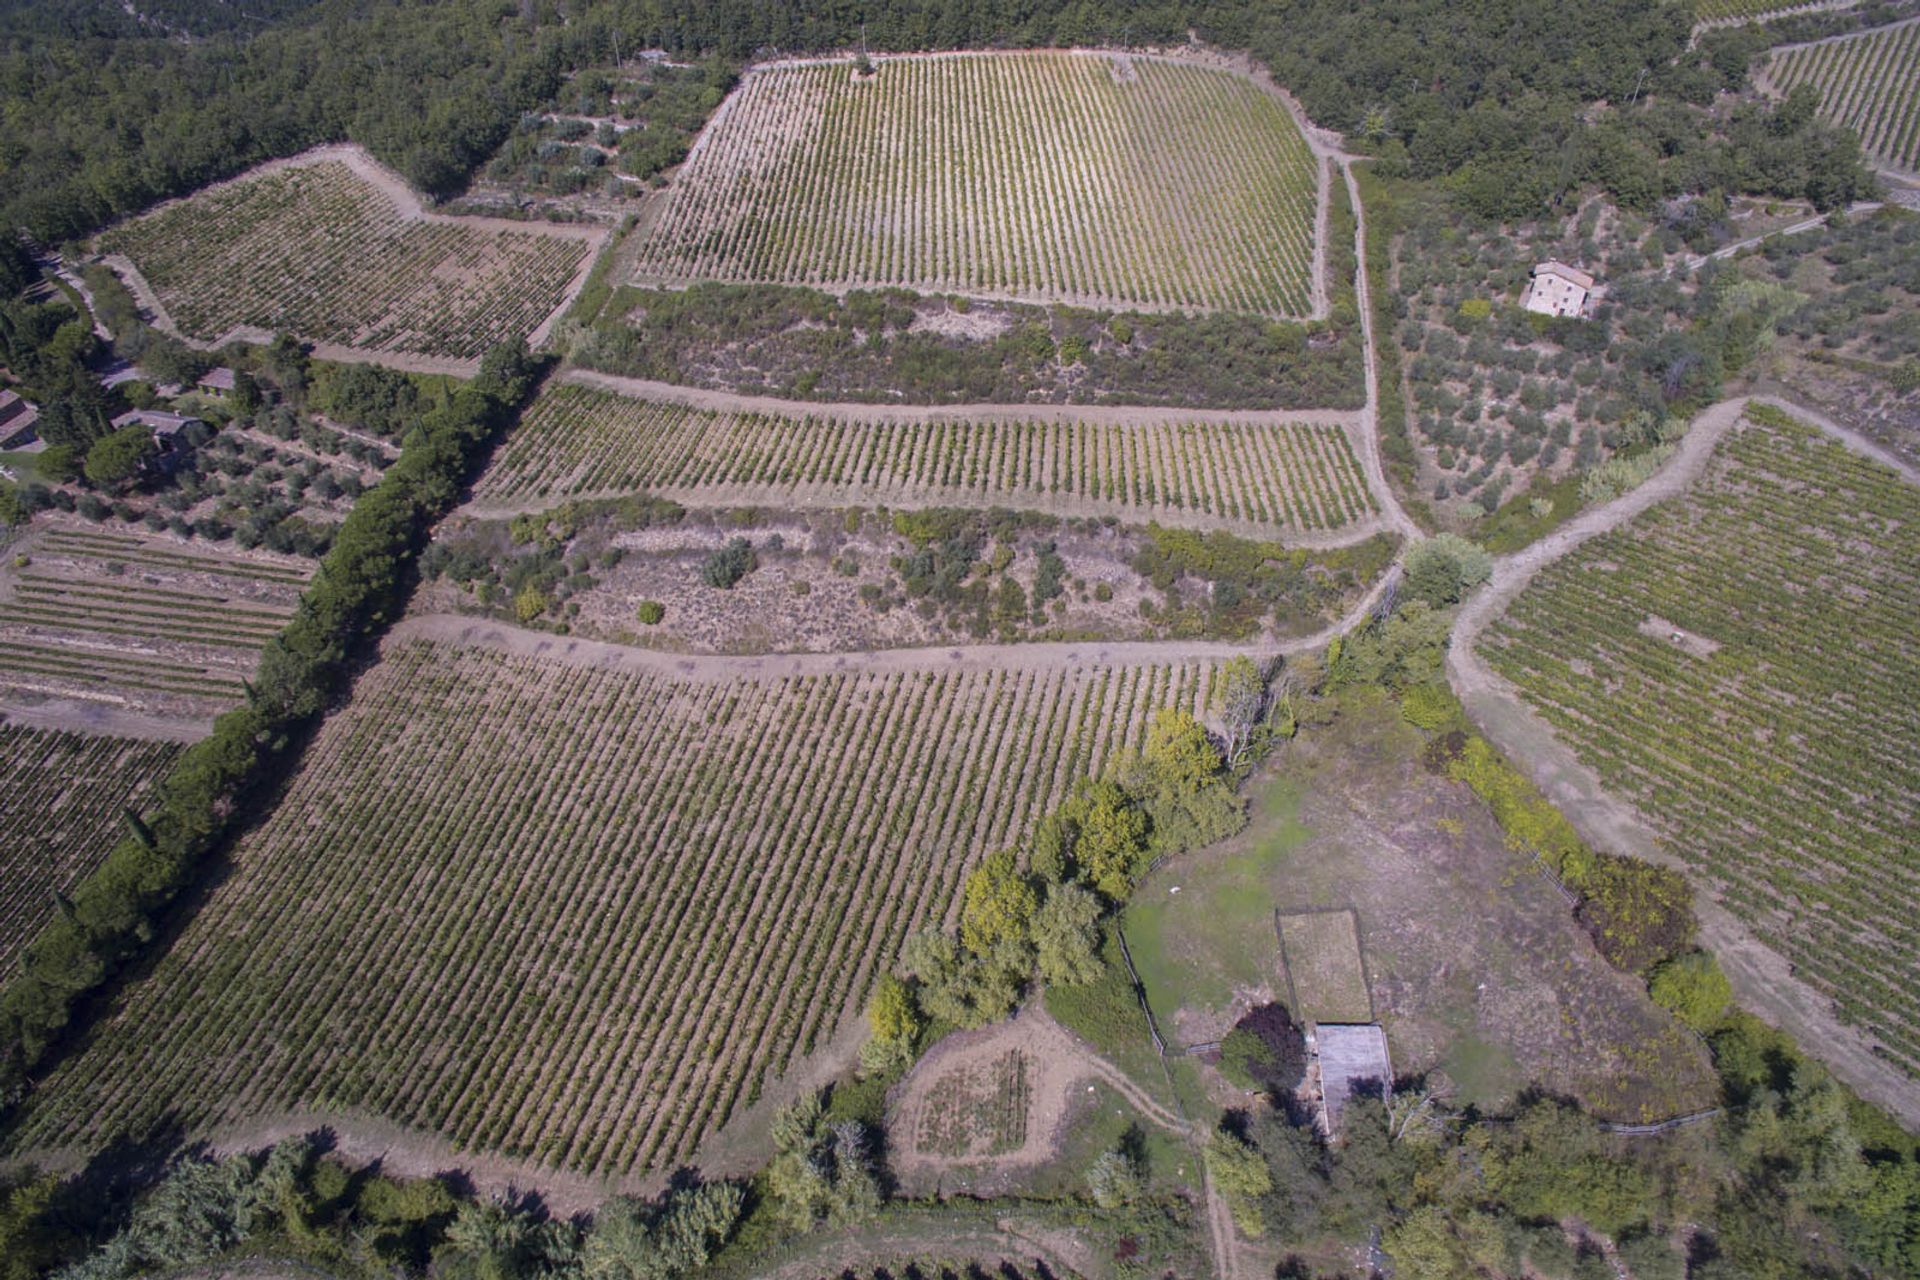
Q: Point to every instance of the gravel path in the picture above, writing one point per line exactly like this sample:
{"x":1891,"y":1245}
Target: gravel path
{"x":1762,"y":980}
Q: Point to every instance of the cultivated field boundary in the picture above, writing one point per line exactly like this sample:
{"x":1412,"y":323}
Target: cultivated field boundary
{"x":1325,"y":153}
{"x":411,"y":209}
{"x":1763,"y":980}
{"x":802,"y":495}
{"x":1763,"y":80}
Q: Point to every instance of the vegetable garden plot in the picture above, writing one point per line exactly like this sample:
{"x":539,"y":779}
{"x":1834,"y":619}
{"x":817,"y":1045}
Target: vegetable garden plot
{"x":1869,"y":82}
{"x":582,"y":915}
{"x":577,"y":441}
{"x":64,"y":796}
{"x":150,"y":622}
{"x":1783,"y":764}
{"x":1047,"y":176}
{"x":319,"y":251}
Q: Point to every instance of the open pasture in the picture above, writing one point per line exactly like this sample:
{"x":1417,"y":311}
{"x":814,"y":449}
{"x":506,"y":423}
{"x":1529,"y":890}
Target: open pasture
{"x":577,"y":441}
{"x":1741,"y":664}
{"x":582,"y":914}
{"x":1869,"y":82}
{"x":65,"y":796}
{"x":147,"y":622}
{"x":1100,"y":180}
{"x":335,"y":251}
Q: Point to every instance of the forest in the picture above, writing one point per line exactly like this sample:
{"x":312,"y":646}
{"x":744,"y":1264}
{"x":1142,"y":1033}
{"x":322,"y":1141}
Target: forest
{"x":1489,"y":95}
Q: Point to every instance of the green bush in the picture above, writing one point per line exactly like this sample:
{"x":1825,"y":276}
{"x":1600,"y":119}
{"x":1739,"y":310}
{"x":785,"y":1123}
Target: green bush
{"x":1431,"y":707}
{"x":651,"y":612}
{"x":729,"y":564}
{"x":1694,"y":988}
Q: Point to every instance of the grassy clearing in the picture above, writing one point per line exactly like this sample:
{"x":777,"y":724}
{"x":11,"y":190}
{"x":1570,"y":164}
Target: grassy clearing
{"x":1325,"y":975}
{"x":1734,"y":661}
{"x":1196,"y":948}
{"x":1475,"y":962}
{"x":579,"y":915}
{"x":1102,"y":180}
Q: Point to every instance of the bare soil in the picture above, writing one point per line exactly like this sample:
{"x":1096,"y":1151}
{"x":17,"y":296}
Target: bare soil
{"x":1057,"y":1062}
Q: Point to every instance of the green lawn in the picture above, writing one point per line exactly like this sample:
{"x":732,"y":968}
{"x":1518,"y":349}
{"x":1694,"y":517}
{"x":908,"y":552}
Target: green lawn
{"x":1202,"y":925}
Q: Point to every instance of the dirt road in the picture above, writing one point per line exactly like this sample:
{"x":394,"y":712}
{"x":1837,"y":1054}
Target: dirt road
{"x":1763,"y":980}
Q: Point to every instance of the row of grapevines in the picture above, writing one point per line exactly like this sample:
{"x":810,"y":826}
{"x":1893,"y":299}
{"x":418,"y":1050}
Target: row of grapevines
{"x":318,"y":251}
{"x":65,"y":797}
{"x":1773,"y":744}
{"x":1054,"y":176}
{"x":1868,"y":82}
{"x":581,"y":915}
{"x":575,"y":441}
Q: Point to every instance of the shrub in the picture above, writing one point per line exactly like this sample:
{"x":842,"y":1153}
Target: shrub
{"x":729,"y":564}
{"x":530,"y":604}
{"x":1430,"y":706}
{"x":651,"y":612}
{"x":1444,"y":568}
{"x":1265,"y":1050}
{"x":1692,"y":986}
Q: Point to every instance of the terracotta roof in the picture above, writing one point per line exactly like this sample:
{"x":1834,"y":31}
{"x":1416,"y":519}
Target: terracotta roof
{"x":1561,"y":269}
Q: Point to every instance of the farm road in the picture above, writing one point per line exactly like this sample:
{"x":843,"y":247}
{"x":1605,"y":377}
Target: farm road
{"x":1105,"y":415}
{"x":1762,"y":979}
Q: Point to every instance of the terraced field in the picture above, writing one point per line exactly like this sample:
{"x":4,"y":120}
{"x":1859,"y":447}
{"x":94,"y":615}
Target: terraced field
{"x":577,"y":441}
{"x":1868,"y":82}
{"x":1741,"y":664}
{"x":65,"y":796}
{"x":152,"y":623}
{"x":1088,"y":178}
{"x":582,"y":914}
{"x":321,"y":251}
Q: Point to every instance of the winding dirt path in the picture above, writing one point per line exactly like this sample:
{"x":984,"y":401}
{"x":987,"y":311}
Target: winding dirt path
{"x":1762,"y":979}
{"x":1369,"y":444}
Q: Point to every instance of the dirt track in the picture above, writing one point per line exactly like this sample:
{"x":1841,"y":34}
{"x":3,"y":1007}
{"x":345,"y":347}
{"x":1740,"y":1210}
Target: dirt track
{"x":1763,"y":981}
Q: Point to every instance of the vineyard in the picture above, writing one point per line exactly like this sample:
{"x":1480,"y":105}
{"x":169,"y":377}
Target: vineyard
{"x":320,"y":251}
{"x":1729,"y":10}
{"x":142,"y":621}
{"x":66,"y":793}
{"x":581,"y":914}
{"x":578,"y":441}
{"x":1868,"y":82}
{"x":1112,"y":181}
{"x":1741,"y":665}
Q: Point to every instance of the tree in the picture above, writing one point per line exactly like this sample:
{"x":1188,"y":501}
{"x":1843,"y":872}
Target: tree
{"x":1240,"y":1173}
{"x":1113,"y":1179}
{"x":1240,"y":695}
{"x":1066,"y":936}
{"x":633,"y":1241}
{"x":116,"y":459}
{"x":998,"y":904}
{"x":1110,"y":838}
{"x":246,"y":398}
{"x":1441,"y":570}
{"x":894,"y":1022}
{"x":1179,"y":781}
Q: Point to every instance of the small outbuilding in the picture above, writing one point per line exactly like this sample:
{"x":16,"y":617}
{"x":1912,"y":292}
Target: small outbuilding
{"x":1558,"y":290}
{"x":18,"y":419}
{"x":169,"y":433}
{"x":1352,"y":1057}
{"x":217,"y":383}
